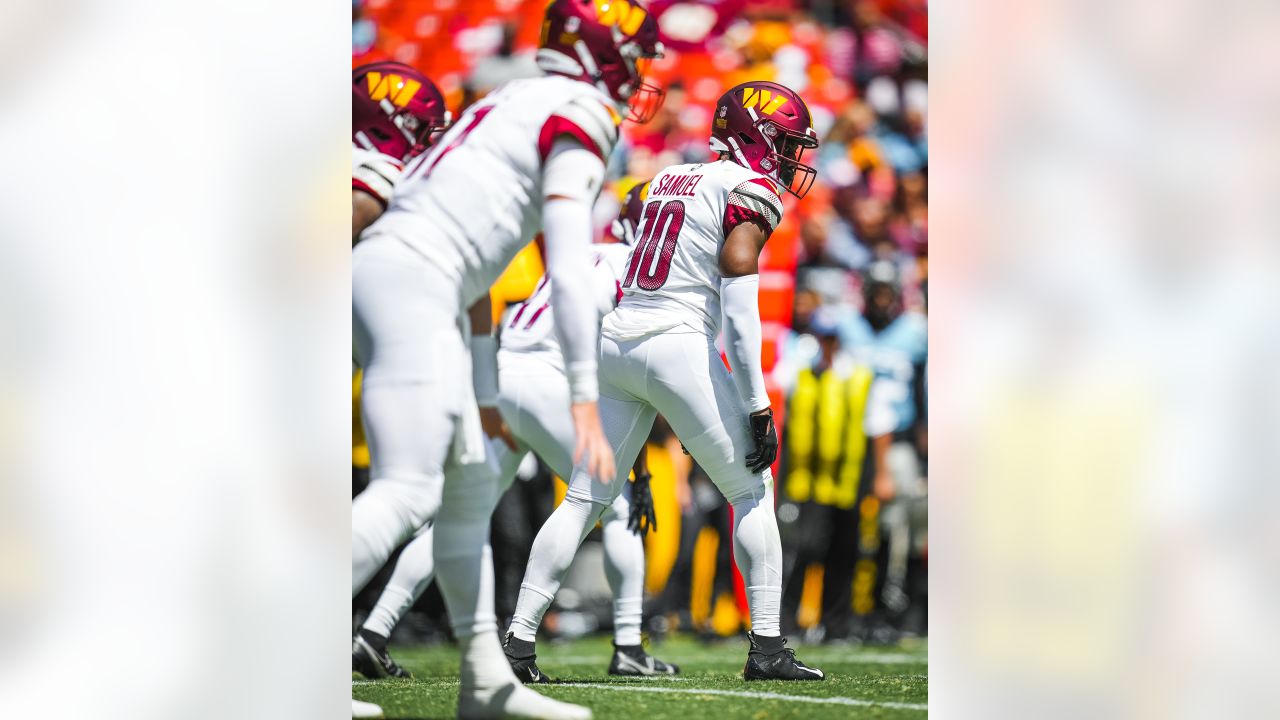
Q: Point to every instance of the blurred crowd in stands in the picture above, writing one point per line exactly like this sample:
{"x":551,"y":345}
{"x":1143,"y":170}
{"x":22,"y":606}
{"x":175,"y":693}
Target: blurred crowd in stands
{"x":843,"y":296}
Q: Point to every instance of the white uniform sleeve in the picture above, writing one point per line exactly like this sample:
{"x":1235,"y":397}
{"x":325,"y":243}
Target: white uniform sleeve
{"x":572,"y":174}
{"x":589,"y":121}
{"x":755,"y":201}
{"x":377,"y":175}
{"x":742,"y":337}
{"x":607,"y":287}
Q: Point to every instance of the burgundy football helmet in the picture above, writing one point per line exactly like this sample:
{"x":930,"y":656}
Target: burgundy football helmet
{"x":628,"y":220}
{"x":607,"y":43}
{"x":766,"y":127}
{"x":395,"y":109}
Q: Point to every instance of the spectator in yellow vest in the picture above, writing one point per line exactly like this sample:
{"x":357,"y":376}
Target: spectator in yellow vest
{"x":825,"y":450}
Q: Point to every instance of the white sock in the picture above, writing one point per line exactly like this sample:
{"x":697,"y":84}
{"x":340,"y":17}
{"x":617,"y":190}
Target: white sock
{"x":384,"y":515}
{"x":553,"y":550}
{"x":624,"y":568}
{"x":484,"y":666}
{"x":414,"y":570}
{"x":757,"y":549}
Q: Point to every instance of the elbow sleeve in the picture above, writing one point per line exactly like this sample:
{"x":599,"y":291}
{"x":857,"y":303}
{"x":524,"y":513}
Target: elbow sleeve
{"x":742,"y":338}
{"x":567,"y":229}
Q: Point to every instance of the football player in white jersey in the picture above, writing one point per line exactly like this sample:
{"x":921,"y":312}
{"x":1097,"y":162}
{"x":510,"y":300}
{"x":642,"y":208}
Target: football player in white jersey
{"x":530,"y":155}
{"x":694,"y":263}
{"x":533,"y":399}
{"x":395,"y":111}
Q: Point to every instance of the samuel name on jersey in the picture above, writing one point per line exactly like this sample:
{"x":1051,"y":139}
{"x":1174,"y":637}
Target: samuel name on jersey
{"x":673,"y":278}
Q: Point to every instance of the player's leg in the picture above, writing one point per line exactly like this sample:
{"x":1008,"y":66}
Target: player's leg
{"x":535,"y":405}
{"x":413,"y":356}
{"x":895,"y":518}
{"x":534,"y":401}
{"x":464,"y":568}
{"x":626,"y":424}
{"x":413,"y":573}
{"x":689,"y":385}
{"x":624,"y":569}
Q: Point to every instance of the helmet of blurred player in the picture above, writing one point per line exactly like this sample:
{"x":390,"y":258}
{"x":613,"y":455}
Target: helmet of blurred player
{"x":881,"y":294}
{"x":395,"y":109}
{"x":766,"y":127}
{"x":607,"y":43}
{"x":628,"y":220}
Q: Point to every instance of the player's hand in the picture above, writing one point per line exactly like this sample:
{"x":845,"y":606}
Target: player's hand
{"x":591,"y":447}
{"x":765,"y":437}
{"x":644,"y":518}
{"x":494,"y":427}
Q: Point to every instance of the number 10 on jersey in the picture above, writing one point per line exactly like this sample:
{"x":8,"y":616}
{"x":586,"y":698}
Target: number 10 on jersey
{"x":644,"y":270}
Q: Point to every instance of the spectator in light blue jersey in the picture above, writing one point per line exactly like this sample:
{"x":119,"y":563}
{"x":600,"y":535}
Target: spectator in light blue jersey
{"x":895,"y":345}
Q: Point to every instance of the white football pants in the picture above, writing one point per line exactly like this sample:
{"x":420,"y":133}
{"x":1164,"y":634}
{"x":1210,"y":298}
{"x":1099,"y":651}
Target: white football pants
{"x":534,"y":401}
{"x":681,"y":376}
{"x":405,"y":317}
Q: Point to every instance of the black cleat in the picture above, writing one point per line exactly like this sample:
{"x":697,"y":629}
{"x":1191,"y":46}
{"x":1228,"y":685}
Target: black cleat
{"x":771,"y":659}
{"x":372,"y":662}
{"x":524,"y":662}
{"x":632,"y":660}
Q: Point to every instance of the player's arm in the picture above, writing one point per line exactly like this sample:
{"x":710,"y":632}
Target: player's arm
{"x":373,"y":182}
{"x":883,"y":486}
{"x":739,"y":291}
{"x":484,"y":370}
{"x":364,"y":210}
{"x":572,"y":175}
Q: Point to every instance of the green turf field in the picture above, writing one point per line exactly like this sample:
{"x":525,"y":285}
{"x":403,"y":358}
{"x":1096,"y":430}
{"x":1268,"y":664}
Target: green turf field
{"x":861,"y":683}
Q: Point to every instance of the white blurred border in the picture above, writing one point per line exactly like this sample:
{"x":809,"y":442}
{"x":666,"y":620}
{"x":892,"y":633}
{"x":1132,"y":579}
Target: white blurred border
{"x":1104,"y":317}
{"x":174,"y":524}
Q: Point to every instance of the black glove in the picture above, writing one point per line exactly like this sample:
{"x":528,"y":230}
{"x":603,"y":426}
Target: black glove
{"x":643,"y":517}
{"x":765,"y":437}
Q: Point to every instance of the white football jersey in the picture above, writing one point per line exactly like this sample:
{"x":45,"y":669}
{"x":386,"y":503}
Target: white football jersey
{"x":672,"y":282}
{"x":374,"y":173}
{"x":529,"y":327}
{"x":472,"y":201}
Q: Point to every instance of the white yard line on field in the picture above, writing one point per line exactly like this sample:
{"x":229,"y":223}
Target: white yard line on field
{"x":876,"y":659}
{"x":637,"y":687}
{"x":760,"y":696}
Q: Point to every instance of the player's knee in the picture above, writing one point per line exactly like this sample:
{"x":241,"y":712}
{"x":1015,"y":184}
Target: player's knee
{"x":469,"y":499}
{"x":748,"y":490}
{"x":408,"y":500}
{"x":590,"y":509}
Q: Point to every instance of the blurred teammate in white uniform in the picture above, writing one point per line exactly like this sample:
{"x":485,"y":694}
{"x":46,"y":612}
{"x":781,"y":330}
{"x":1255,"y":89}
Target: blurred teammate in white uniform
{"x":533,"y":399}
{"x":528,"y":156}
{"x":696,"y":261}
{"x":395,"y":112}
